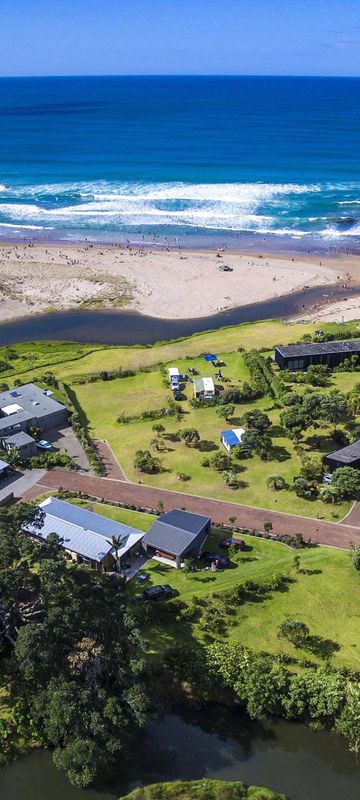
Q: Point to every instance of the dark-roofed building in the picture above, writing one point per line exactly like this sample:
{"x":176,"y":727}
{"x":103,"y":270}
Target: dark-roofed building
{"x":300,"y":356}
{"x":177,"y":535}
{"x":22,"y":442}
{"x":348,"y":456}
{"x":28,"y":406}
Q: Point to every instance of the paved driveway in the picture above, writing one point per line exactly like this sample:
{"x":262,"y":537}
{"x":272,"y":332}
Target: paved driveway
{"x":21,"y":482}
{"x":330,"y":533}
{"x":65,"y":439}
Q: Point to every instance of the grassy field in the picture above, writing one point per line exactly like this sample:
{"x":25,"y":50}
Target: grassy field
{"x":149,"y":390}
{"x":68,"y":359}
{"x":325,"y":594}
{"x":202,"y":790}
{"x":101,"y":403}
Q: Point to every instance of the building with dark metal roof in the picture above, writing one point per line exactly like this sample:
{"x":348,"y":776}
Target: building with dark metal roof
{"x":177,"y":535}
{"x":331,"y":354}
{"x":348,"y":456}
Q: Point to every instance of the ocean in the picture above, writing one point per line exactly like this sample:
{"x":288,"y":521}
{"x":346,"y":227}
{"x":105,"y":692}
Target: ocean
{"x":233,"y":161}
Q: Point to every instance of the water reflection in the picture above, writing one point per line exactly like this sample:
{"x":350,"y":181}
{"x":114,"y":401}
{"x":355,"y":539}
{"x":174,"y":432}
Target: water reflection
{"x":129,"y":327}
{"x":216,"y":743}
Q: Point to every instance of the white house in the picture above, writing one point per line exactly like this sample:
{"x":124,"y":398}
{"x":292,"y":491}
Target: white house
{"x":204,"y":388}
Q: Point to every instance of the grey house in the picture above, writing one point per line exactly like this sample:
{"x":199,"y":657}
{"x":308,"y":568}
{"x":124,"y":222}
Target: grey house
{"x":348,"y":456}
{"x":28,"y":407}
{"x":22,"y":442}
{"x":177,"y":535}
{"x":85,"y":536}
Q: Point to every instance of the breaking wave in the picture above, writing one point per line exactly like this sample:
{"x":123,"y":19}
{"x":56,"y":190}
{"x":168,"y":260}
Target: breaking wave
{"x":284,"y":209}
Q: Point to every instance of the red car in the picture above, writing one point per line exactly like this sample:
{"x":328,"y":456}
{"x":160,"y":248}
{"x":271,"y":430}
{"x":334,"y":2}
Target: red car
{"x":228,"y":541}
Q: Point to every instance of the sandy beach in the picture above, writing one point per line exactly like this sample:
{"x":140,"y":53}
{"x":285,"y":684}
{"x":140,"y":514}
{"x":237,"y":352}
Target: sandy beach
{"x":171,"y":284}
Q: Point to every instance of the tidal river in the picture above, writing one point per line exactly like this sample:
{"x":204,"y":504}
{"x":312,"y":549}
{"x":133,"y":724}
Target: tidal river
{"x":214,"y":743}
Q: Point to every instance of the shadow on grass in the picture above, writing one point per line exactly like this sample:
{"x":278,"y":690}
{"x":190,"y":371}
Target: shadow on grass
{"x":320,"y":443}
{"x":323,"y":648}
{"x":277,"y":432}
{"x":279,"y":454}
{"x":247,"y":560}
{"x":206,"y":446}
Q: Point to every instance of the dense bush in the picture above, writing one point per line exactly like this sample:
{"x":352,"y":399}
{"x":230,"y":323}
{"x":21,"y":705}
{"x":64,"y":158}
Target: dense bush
{"x":262,"y":683}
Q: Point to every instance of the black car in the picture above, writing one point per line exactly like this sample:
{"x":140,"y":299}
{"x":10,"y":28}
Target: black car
{"x":162,"y":592}
{"x":208,"y":556}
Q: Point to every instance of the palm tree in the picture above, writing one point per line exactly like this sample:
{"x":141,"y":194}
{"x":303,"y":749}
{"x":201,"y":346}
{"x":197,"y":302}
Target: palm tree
{"x":116,"y":543}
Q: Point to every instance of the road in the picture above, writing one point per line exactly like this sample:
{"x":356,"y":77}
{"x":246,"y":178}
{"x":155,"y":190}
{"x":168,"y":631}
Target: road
{"x":335,"y":534}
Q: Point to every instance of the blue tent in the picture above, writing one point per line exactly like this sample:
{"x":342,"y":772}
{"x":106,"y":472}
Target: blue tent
{"x":210,"y":357}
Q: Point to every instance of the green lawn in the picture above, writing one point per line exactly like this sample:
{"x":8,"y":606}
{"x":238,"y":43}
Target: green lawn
{"x":325,"y":594}
{"x":149,"y":390}
{"x":102,"y":403}
{"x":135,"y":519}
{"x":67,"y":359}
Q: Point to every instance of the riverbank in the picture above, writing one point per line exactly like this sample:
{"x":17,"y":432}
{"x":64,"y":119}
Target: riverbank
{"x":170,"y":284}
{"x":202,"y":790}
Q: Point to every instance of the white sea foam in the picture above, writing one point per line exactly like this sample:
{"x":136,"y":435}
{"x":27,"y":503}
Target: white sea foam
{"x":261,"y":208}
{"x":18,"y":226}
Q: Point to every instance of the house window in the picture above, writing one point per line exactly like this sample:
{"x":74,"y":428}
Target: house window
{"x":296,"y":363}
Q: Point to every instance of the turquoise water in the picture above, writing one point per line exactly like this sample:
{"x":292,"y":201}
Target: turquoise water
{"x":183,"y":158}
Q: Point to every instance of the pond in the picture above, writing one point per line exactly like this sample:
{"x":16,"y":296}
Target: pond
{"x":129,"y":327}
{"x":214,"y":743}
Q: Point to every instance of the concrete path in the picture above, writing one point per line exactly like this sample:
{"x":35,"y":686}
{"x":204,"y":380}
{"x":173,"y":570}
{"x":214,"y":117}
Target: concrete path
{"x":330,"y":533}
{"x":353,"y":517}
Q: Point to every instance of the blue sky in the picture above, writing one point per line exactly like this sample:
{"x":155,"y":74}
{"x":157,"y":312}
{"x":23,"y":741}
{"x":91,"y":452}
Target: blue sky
{"x":263,"y":37}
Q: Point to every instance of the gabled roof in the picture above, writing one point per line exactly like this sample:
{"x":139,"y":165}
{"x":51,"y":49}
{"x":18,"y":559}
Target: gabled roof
{"x":175,"y":531}
{"x":187,"y":520}
{"x":347,"y":455}
{"x":84,"y":532}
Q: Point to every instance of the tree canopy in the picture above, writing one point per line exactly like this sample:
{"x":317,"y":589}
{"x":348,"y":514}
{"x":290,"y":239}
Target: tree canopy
{"x":74,"y":656}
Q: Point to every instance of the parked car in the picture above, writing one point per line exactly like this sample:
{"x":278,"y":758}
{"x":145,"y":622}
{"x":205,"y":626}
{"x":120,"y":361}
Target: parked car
{"x":43,"y":444}
{"x":163,"y":592}
{"x":327,"y":477}
{"x":228,"y":541}
{"x":209,"y":557}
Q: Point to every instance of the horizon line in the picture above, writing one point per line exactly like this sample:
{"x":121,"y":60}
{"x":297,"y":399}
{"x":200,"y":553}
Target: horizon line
{"x":178,"y":75}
